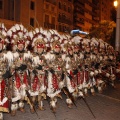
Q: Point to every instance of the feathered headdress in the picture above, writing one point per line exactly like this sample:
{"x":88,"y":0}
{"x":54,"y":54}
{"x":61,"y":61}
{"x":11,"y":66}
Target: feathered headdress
{"x":18,"y":35}
{"x":38,"y":38}
{"x":3,"y":35}
{"x":54,"y":38}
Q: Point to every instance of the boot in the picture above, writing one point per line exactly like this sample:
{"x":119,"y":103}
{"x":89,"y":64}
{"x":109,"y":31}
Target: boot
{"x":1,"y":116}
{"x":13,"y":112}
{"x":32,"y":110}
{"x":22,"y":110}
{"x":41,"y":108}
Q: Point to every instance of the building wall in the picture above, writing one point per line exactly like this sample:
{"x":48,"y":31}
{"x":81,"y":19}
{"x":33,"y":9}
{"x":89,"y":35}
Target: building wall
{"x":50,"y":14}
{"x":84,"y":14}
{"x":63,"y":15}
{"x":105,"y":8}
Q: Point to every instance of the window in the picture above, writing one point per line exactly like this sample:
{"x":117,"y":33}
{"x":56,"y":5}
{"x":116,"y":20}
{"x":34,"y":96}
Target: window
{"x":59,"y":27}
{"x":64,"y":7}
{"x":32,"y":5}
{"x":52,"y":9}
{"x":47,"y":18}
{"x":0,"y":4}
{"x":69,"y":9}
{"x":59,"y":5}
{"x":53,"y":20}
{"x":47,"y":6}
{"x":32,"y":22}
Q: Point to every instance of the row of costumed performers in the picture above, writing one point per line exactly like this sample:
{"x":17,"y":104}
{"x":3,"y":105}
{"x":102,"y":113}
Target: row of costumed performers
{"x":44,"y":64}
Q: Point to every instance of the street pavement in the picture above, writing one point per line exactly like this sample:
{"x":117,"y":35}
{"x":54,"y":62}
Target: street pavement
{"x":105,"y":106}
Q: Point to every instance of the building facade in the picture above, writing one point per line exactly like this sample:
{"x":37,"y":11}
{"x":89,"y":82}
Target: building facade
{"x":65,"y":15}
{"x":62,"y":15}
{"x":86,"y":14}
{"x":21,"y":11}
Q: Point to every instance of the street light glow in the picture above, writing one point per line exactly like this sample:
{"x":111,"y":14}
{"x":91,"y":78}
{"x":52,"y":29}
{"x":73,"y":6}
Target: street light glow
{"x":117,"y":38}
{"x":116,"y":3}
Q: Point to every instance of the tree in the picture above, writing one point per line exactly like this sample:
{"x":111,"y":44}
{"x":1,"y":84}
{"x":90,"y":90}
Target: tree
{"x":103,"y":30}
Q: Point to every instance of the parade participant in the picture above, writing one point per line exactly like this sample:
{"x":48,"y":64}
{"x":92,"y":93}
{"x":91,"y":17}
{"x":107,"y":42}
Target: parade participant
{"x":79,"y":60}
{"x":56,"y":64}
{"x":39,"y":72}
{"x":71,"y":80}
{"x":19,"y":40}
{"x":5,"y":73}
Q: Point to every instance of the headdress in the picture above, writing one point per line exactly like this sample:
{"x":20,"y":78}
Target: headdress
{"x":54,"y":38}
{"x":3,"y":35}
{"x":18,"y":35}
{"x":38,"y":38}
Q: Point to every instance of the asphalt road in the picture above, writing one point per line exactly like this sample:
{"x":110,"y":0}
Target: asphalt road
{"x":105,"y":106}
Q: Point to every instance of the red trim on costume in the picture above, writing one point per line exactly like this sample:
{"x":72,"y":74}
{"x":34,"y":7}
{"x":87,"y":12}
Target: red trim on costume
{"x":70,"y":49}
{"x":45,"y":81}
{"x":17,"y":79}
{"x":21,"y":42}
{"x":54,"y":81}
{"x":59,"y":68}
{"x":86,"y":76}
{"x":2,"y":93}
{"x":35,"y":83}
{"x":40,"y":46}
{"x":25,"y":80}
{"x":72,"y":81}
{"x":1,"y":41}
{"x":76,"y":47}
{"x":57,"y":46}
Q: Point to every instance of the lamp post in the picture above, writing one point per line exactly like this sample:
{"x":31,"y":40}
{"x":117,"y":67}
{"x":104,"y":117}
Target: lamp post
{"x":117,"y":40}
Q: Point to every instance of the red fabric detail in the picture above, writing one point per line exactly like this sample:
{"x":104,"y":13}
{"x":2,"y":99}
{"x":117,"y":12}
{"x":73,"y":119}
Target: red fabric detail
{"x":78,"y":78}
{"x":25,"y":80}
{"x":40,"y":46}
{"x":21,"y":42}
{"x":45,"y":81}
{"x":35,"y":83}
{"x":2,"y":89}
{"x":59,"y":68}
{"x":17,"y":79}
{"x":2,"y":92}
{"x":54,"y":81}
{"x":57,"y":46}
{"x":70,"y":49}
{"x":72,"y":82}
{"x":1,"y":41}
{"x":86,"y":76}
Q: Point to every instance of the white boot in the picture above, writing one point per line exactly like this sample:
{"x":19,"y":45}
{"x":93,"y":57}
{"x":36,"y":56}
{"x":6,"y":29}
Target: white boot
{"x":1,"y":116}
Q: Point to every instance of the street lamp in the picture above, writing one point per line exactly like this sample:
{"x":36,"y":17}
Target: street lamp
{"x":117,"y":41}
{"x":115,"y":3}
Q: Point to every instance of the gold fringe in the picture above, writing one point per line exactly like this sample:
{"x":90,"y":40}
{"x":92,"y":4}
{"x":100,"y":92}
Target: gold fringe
{"x":3,"y":109}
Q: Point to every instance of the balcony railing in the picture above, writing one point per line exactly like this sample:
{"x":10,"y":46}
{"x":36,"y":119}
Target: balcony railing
{"x":49,"y":25}
{"x":51,"y":1}
{"x":66,"y":21}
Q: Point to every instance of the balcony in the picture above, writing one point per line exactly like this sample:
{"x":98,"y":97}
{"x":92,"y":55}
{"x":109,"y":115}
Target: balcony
{"x":63,"y":20}
{"x":51,"y":1}
{"x":95,"y":18}
{"x":79,"y":10}
{"x":49,"y":25}
{"x":82,"y":2}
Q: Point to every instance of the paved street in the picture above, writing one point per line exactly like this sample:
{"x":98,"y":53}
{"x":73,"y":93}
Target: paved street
{"x":105,"y":106}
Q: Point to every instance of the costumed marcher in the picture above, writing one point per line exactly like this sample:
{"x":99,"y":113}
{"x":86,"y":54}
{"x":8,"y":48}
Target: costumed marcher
{"x":79,"y":60}
{"x":70,"y":71}
{"x":55,"y":64}
{"x":39,"y":70}
{"x":21,"y":62}
{"x":86,"y":66}
{"x":5,"y":73}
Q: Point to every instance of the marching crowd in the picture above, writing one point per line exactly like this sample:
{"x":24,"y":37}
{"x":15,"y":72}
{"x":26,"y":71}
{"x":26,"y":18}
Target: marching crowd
{"x":42,"y":64}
